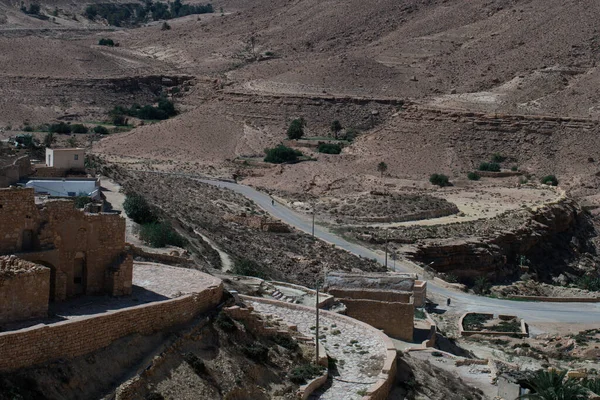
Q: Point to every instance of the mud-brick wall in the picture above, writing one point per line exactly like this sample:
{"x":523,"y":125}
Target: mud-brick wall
{"x":24,"y":295}
{"x":18,"y":213}
{"x":13,"y":173}
{"x":396,"y":319}
{"x":70,"y":339}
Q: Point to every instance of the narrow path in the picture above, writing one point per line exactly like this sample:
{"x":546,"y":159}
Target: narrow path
{"x":226,"y":263}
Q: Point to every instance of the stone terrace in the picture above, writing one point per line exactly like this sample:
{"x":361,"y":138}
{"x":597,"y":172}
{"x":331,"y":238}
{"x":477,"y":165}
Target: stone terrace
{"x":152,"y":282}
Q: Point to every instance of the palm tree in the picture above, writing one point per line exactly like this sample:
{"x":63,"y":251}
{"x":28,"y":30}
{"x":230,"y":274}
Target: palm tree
{"x":593,"y":385}
{"x":552,"y":385}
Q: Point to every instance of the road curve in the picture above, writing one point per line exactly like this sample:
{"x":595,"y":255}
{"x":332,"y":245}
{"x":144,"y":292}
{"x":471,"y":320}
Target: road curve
{"x":532,"y":311}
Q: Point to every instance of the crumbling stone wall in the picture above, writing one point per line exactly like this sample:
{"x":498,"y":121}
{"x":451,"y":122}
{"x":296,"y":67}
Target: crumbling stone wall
{"x":12,"y":173}
{"x":79,"y":248}
{"x":24,"y":289}
{"x":372,"y":294}
{"x":73,"y":338}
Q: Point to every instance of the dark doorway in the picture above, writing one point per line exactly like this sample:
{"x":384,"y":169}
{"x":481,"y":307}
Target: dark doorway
{"x":27,"y":243}
{"x":80,"y":276}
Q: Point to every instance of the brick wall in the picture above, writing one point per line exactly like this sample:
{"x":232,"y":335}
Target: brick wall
{"x":12,"y":173}
{"x":68,"y":339}
{"x":396,"y":319}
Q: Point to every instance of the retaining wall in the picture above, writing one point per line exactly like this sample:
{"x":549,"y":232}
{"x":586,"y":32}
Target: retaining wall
{"x":68,"y":339}
{"x":558,"y":299}
{"x":379,"y":390}
{"x":396,"y":319}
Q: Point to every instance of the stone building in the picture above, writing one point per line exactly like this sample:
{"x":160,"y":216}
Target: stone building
{"x":383,"y":300}
{"x":66,"y":158}
{"x":84,"y":253}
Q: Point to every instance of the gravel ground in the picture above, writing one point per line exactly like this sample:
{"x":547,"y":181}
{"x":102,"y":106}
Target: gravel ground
{"x":359,"y":355}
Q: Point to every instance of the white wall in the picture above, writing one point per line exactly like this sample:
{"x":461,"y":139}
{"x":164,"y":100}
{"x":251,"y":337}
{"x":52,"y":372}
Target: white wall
{"x":62,"y":188}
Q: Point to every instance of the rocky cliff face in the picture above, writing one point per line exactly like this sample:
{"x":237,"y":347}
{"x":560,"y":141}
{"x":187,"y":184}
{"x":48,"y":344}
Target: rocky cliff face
{"x":553,"y":239}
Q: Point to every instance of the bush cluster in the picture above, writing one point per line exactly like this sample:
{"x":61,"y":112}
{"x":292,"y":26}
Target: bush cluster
{"x":79,"y":128}
{"x":106,"y":42}
{"x":439,"y":180}
{"x":549,"y":180}
{"x":281,"y":154}
{"x":256,"y":352}
{"x":138,"y":209}
{"x":164,"y":110}
{"x":329,"y":148}
{"x":133,"y":14}
{"x":160,"y":234}
{"x":491,"y":166}
{"x":99,"y":129}
{"x":60,"y":127}
{"x":301,"y":374}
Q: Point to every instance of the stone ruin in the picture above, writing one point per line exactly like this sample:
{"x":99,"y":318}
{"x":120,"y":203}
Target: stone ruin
{"x":70,"y":253}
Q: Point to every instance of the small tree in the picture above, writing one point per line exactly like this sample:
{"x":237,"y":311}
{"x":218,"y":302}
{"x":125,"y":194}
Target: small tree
{"x":336,"y":127}
{"x":440,"y":180}
{"x":165,"y":26}
{"x":138,"y":209}
{"x":473,"y":176}
{"x":554,"y":385}
{"x":382,"y":167}
{"x":296,"y":129}
{"x":281,"y":154}
{"x":49,"y":139}
{"x":329,"y":148}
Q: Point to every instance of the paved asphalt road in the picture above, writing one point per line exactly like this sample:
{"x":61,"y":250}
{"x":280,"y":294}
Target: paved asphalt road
{"x":532,"y":311}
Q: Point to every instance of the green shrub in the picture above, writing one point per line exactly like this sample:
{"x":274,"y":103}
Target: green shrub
{"x":589,"y":283}
{"x":336,"y":127}
{"x":351,"y":134}
{"x":165,"y":26}
{"x":474,"y":321}
{"x":329,"y":148}
{"x":61,"y":127}
{"x":79,"y":128}
{"x":164,"y":110}
{"x":482,"y":285}
{"x":302,"y":373}
{"x":286,"y":342}
{"x":281,"y":154}
{"x":118,"y":120}
{"x":99,"y":129}
{"x":256,"y":352}
{"x":269,"y":54}
{"x":226,"y":323}
{"x":138,"y":209}
{"x":81,"y":200}
{"x":439,"y":180}
{"x":492,"y":167}
{"x":28,"y":128}
{"x":473,"y":176}
{"x":296,"y":129}
{"x":249,"y":268}
{"x":419,"y":314}
{"x":106,"y":42}
{"x":514,"y":168}
{"x":549,"y":180}
{"x":160,"y":234}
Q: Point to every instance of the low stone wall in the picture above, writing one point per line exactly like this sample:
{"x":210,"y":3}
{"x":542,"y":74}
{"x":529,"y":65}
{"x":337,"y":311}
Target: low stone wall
{"x":68,"y":339}
{"x":325,"y":300}
{"x":379,"y":390}
{"x":462,"y":332}
{"x":418,"y":216}
{"x":158,"y":257}
{"x":500,"y":174}
{"x":396,"y":319}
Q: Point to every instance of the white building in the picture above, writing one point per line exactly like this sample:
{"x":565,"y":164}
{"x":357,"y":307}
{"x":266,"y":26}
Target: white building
{"x":66,"y":187}
{"x":65,"y":158}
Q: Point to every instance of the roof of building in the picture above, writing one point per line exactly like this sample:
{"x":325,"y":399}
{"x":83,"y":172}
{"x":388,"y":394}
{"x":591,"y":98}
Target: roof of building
{"x":384,"y":281}
{"x":66,"y":149}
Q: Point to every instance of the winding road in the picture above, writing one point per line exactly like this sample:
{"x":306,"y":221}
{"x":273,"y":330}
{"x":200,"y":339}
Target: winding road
{"x":584,"y":313}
